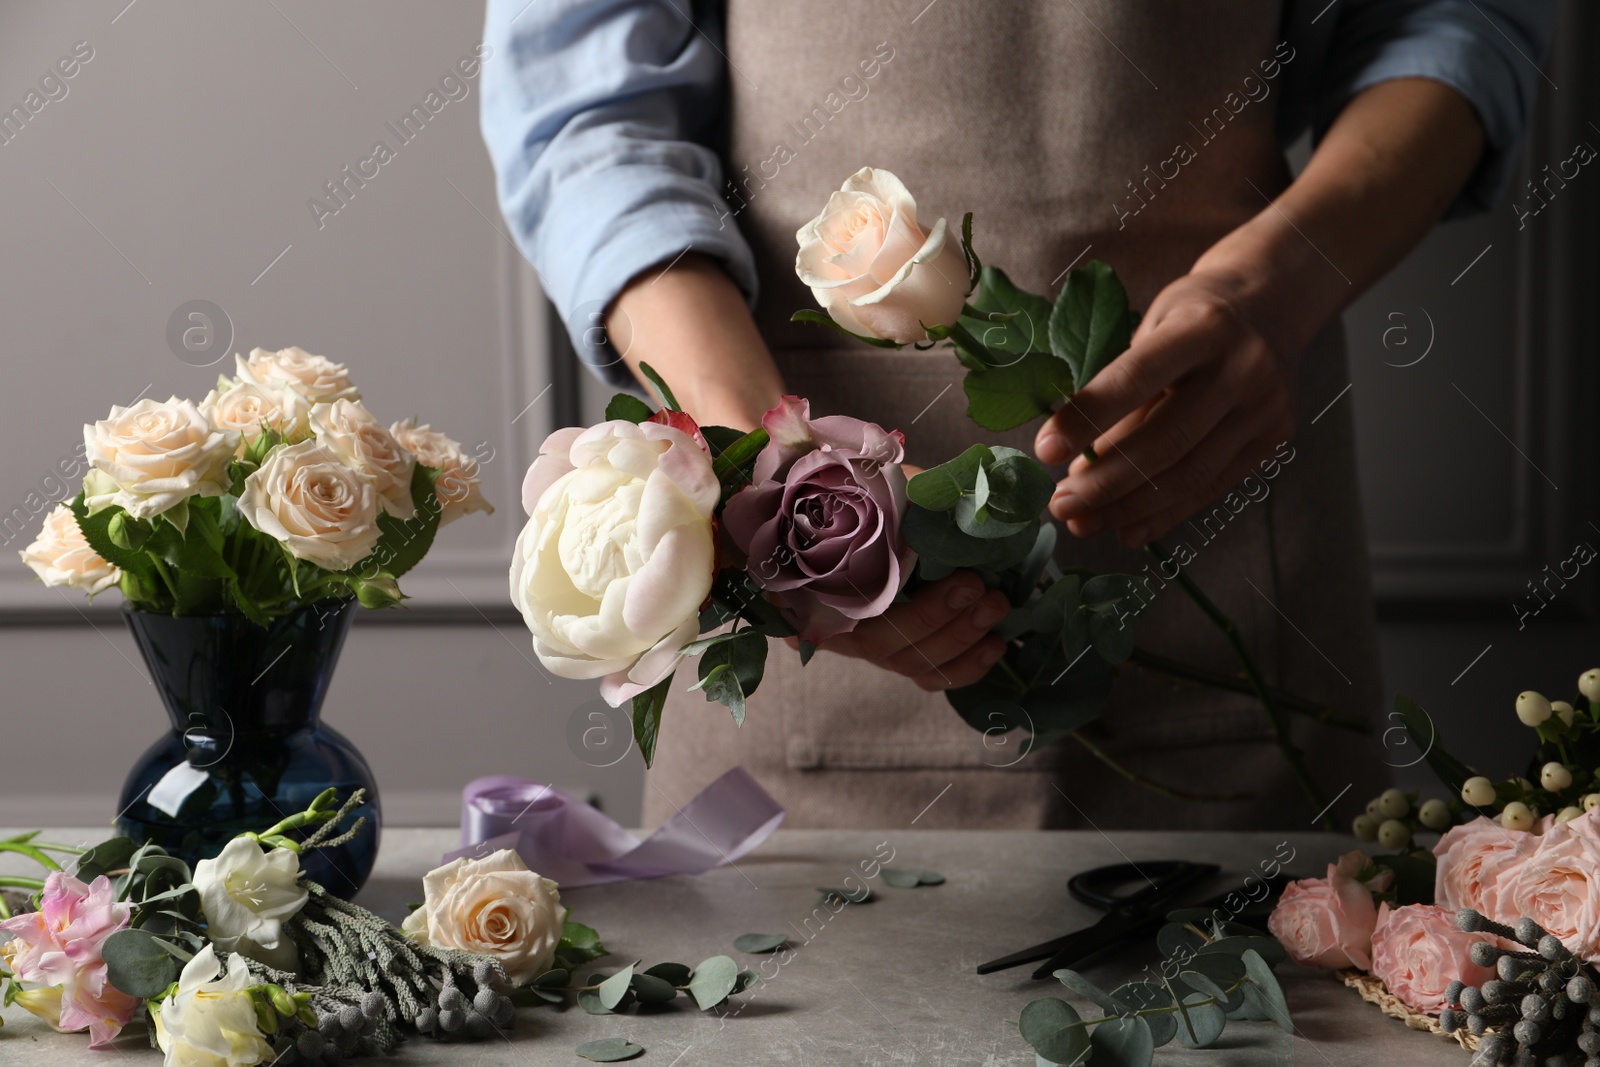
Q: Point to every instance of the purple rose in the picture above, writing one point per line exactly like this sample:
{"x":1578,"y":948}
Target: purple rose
{"x":820,"y":522}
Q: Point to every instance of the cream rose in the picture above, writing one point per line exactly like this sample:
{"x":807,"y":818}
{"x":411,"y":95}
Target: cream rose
{"x":873,"y":269}
{"x":492,"y":907}
{"x":246,"y":894}
{"x":246,"y":407}
{"x":159,"y":455}
{"x":322,"y":510}
{"x":617,"y":556}
{"x":319,"y":379}
{"x":348,"y":430}
{"x":61,"y":556}
{"x":457,"y":488}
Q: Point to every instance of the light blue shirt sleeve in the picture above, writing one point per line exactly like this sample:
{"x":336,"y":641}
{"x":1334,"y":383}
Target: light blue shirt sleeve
{"x":1489,"y":51}
{"x":600,"y":116}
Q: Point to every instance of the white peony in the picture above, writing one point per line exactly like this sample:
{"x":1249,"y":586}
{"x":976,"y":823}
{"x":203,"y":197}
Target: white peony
{"x":159,"y":455}
{"x":211,"y":1022}
{"x":322,"y":510}
{"x":873,"y":269}
{"x":246,"y":894}
{"x":317,"y":378}
{"x":457,"y":488}
{"x":492,"y":907}
{"x":348,"y":430}
{"x":247,"y":408}
{"x":61,"y":556}
{"x":617,"y":555}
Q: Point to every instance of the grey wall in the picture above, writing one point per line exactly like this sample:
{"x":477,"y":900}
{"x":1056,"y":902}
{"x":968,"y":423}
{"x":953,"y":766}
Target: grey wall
{"x":179,"y":166}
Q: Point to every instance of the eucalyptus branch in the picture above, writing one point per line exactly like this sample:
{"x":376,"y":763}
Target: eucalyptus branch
{"x":1322,"y":713}
{"x":1138,"y":779}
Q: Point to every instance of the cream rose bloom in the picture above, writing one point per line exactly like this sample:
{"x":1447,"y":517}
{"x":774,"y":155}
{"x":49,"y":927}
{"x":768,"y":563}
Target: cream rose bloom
{"x":246,"y":407}
{"x":319,"y":379}
{"x":457,"y":488}
{"x":210,"y":1021}
{"x":873,"y":269}
{"x":348,"y":430}
{"x":246,"y":894}
{"x":322,"y":510}
{"x":617,"y":555}
{"x":61,"y":556}
{"x":492,"y":907}
{"x":159,"y":455}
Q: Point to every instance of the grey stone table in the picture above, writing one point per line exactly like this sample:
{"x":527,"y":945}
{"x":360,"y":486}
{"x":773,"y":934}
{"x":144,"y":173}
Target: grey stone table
{"x":888,"y":982}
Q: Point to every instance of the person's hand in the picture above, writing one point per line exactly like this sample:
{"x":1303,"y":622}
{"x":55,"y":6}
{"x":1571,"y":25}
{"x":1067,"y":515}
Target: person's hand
{"x":939,"y":639}
{"x":1198,"y":399}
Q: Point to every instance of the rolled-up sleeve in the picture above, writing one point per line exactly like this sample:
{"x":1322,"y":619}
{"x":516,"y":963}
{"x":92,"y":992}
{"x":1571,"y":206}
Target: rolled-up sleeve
{"x":599,"y":116}
{"x":1487,"y":50}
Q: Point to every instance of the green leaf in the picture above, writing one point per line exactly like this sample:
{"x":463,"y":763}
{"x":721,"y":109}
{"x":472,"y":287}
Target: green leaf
{"x":910,"y":877}
{"x":1005,"y":397}
{"x":628,"y":407}
{"x":1265,"y":985}
{"x":613,"y":989}
{"x":1218,"y":972}
{"x":864,"y":895}
{"x":1201,"y":1022}
{"x":668,"y":401}
{"x":672,"y":973}
{"x":817,"y":318}
{"x":177,"y":516}
{"x":652,"y":990}
{"x":731,"y":669}
{"x":745,"y":980}
{"x":1265,"y":947}
{"x":609,"y":1050}
{"x":589,"y":1001}
{"x":755,"y":943}
{"x":1054,"y":1030}
{"x":1090,"y":324}
{"x":647,"y":717}
{"x":579,"y":945}
{"x":1143,"y":996}
{"x":1016,"y":321}
{"x":936,"y":536}
{"x":734,"y":464}
{"x":556,"y":978}
{"x":712,"y":982}
{"x":1019,"y":486}
{"x":138,"y":963}
{"x":1126,"y":1042}
{"x":807,"y":650}
{"x":1087,"y":990}
{"x":974,"y":268}
{"x":404,"y":542}
{"x":1115,"y":604}
{"x":106,"y":856}
{"x":95,"y":531}
{"x":939,"y":488}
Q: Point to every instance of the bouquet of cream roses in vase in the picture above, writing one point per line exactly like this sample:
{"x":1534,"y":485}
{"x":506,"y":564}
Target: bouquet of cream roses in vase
{"x":241,"y":531}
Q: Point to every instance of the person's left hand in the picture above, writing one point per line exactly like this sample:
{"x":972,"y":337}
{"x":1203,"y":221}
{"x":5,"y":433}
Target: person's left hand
{"x":1198,"y":399}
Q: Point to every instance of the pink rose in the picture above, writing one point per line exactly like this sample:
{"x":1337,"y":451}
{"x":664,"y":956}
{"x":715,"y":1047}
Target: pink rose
{"x":1327,"y":922}
{"x":59,"y":946}
{"x":1418,"y":951}
{"x":1469,"y":858}
{"x":820,"y":522}
{"x":1558,"y":886}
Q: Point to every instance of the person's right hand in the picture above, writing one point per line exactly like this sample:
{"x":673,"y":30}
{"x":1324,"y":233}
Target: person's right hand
{"x":939,"y":639}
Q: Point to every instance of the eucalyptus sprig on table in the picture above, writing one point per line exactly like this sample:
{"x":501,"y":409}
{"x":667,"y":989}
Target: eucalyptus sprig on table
{"x":1221,"y":971}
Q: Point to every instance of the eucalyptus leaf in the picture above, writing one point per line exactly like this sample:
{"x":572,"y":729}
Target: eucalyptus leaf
{"x":1201,"y":1022}
{"x":1124,"y":1042}
{"x":864,"y":895}
{"x":1265,"y":947}
{"x":1265,"y":984}
{"x":910,"y":877}
{"x":713,"y":980}
{"x":676,"y":974}
{"x":1222,"y":971}
{"x":652,"y":990}
{"x":1087,"y":990}
{"x":138,"y":963}
{"x":1054,"y":1030}
{"x":589,"y":1001}
{"x":935,"y":536}
{"x":938,"y":488}
{"x":553,"y":979}
{"x":609,"y":1050}
{"x":756,"y":943}
{"x":745,"y":980}
{"x":1143,"y":996}
{"x":613,"y":989}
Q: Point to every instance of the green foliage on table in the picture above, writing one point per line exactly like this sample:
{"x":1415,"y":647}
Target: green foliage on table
{"x":609,"y":1050}
{"x":759,"y":943}
{"x":709,"y":985}
{"x":910,"y":877}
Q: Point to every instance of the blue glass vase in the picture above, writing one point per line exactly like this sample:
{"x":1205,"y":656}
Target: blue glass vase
{"x":246,"y":746}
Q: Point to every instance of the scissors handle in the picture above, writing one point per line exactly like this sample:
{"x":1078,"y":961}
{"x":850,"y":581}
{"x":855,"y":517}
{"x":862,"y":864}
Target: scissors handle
{"x":1156,"y":880}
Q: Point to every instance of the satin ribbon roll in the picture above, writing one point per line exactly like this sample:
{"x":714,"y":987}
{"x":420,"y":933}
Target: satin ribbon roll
{"x":571,"y":842}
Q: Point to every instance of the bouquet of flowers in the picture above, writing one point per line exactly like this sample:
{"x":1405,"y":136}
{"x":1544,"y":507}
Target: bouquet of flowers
{"x":651,"y":538}
{"x":1494,"y":931}
{"x":242,"y":960}
{"x":278,"y":489}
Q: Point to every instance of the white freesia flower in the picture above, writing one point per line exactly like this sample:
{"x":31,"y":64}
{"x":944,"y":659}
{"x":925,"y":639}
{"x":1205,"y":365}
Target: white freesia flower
{"x":246,"y":894}
{"x":873,"y":269}
{"x":492,"y":907}
{"x":159,"y":455}
{"x":617,"y":556}
{"x":247,"y":407}
{"x":61,"y":556}
{"x":317,"y":378}
{"x":457,"y":487}
{"x":210,"y":1021}
{"x":322,"y":510}
{"x":348,"y":430}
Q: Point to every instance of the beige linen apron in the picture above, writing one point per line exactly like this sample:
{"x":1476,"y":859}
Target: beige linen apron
{"x":1051,"y":122}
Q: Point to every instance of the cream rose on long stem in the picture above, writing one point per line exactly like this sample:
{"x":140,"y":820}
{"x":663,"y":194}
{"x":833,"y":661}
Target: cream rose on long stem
{"x":873,"y":269}
{"x":348,"y":430}
{"x":246,"y":895}
{"x":457,"y":488}
{"x":494,"y":907}
{"x":617,"y":555}
{"x":247,"y":408}
{"x":317,"y":378}
{"x":322,"y":510}
{"x":61,"y":556}
{"x":159,"y":455}
{"x":210,"y":1021}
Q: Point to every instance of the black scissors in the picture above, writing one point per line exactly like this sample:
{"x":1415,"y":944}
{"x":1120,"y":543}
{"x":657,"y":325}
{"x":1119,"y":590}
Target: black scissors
{"x":1161,"y":884}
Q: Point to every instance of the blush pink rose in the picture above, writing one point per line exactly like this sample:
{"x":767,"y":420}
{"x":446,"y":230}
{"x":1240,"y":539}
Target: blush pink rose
{"x":1469,"y":859}
{"x":1418,"y":951}
{"x":1557,"y":886}
{"x":1327,"y":922}
{"x":59,"y":946}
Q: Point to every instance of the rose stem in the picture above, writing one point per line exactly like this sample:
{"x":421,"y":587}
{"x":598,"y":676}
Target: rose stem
{"x":1319,"y":712}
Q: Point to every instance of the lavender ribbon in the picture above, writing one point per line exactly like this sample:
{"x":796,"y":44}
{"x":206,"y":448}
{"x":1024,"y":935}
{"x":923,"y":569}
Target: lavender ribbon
{"x":569,"y":841}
